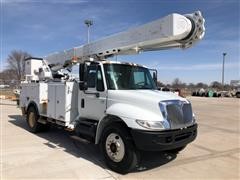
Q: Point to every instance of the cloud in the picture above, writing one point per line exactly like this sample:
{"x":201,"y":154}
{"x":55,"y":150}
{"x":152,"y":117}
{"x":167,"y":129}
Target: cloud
{"x":215,"y":47}
{"x":221,"y":43}
{"x":34,"y":26}
{"x":200,"y":67}
{"x":44,"y":2}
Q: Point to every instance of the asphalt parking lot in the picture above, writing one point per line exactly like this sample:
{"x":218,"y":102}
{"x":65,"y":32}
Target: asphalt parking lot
{"x":215,"y":154}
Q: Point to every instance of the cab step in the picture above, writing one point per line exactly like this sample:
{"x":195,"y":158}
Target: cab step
{"x":86,"y":128}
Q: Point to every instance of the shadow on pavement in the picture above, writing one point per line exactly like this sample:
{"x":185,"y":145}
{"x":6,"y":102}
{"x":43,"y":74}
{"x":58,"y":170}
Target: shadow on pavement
{"x":60,"y":139}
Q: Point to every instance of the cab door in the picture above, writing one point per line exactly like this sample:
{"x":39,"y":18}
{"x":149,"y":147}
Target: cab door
{"x":93,"y":100}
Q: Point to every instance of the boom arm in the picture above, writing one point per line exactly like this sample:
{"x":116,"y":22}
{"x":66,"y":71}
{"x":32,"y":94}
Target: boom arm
{"x":172,"y":31}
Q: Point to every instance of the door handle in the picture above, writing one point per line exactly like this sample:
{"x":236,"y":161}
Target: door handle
{"x":82,"y":103}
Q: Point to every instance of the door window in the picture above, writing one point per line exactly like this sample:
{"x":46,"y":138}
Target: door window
{"x":95,"y":78}
{"x":91,"y":76}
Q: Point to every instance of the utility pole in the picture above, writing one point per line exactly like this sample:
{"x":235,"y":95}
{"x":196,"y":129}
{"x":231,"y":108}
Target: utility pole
{"x":224,"y":54}
{"x":88,"y":23}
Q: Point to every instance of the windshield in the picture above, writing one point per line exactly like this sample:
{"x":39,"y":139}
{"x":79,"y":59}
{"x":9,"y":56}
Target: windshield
{"x":123,"y":77}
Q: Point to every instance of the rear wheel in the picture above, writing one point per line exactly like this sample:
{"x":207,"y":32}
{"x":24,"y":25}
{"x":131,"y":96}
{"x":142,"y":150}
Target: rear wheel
{"x":32,"y":121}
{"x":118,"y":149}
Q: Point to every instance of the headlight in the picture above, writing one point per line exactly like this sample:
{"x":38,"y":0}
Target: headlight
{"x":154,"y":125}
{"x":163,"y":110}
{"x":194,"y":118}
{"x":193,"y":115}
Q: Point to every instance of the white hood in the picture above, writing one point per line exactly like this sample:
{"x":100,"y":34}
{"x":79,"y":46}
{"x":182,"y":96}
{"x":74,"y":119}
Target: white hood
{"x":138,"y":104}
{"x":133,"y":96}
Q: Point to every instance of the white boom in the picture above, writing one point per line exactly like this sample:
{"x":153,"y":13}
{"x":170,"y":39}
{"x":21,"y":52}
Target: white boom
{"x":172,"y":31}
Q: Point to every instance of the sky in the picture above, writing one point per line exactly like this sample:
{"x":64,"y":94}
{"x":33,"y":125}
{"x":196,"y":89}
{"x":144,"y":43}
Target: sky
{"x":42,"y":27}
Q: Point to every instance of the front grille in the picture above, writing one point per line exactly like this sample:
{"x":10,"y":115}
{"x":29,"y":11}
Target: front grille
{"x":179,"y":114}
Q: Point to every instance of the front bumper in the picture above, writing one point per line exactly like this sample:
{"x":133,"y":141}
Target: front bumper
{"x":163,"y":140}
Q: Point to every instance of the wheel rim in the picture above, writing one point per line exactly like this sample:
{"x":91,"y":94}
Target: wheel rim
{"x":31,"y":119}
{"x":115,"y":147}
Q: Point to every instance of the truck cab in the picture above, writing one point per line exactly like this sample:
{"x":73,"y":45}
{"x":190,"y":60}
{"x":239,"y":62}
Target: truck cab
{"x":123,"y":96}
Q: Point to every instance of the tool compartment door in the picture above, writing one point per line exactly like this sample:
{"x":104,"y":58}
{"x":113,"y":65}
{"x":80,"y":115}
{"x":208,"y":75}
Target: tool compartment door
{"x":51,"y":108}
{"x":60,"y":102}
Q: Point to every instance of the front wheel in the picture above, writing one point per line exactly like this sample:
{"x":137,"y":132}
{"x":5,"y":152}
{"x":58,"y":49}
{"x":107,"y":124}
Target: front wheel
{"x":118,"y":149}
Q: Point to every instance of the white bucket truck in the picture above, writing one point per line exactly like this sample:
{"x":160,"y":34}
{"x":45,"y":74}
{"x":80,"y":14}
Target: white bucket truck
{"x":114,"y":104}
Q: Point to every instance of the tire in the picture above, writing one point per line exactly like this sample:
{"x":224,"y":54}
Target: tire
{"x":177,"y":150}
{"x":126,"y":157}
{"x":33,"y":124}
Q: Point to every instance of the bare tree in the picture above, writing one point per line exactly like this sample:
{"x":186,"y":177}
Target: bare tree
{"x":7,"y":75}
{"x":160,"y":84}
{"x":216,"y":85}
{"x":16,"y":63}
{"x":201,"y":85}
{"x":177,"y":83}
{"x":191,"y":85}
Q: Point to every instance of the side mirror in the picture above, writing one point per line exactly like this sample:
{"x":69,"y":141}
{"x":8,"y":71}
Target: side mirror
{"x":81,"y":72}
{"x":155,"y":77}
{"x":83,"y":77}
